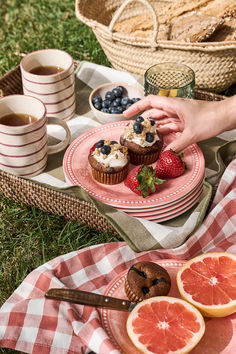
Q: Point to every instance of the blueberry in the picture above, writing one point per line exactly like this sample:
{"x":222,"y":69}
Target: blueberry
{"x":121,"y":88}
{"x":145,"y":290}
{"x":110,"y":109}
{"x":115,"y":103}
{"x":120,"y":109}
{"x":139,"y":119}
{"x":99,"y":144}
{"x":106,"y":149}
{"x":128,"y":105}
{"x":125,"y":101}
{"x":149,"y":137}
{"x":114,"y":110}
{"x":137,"y":128}
{"x":106,"y":103}
{"x":118,"y":99}
{"x":97,"y":99}
{"x":98,"y":105}
{"x":152,"y":121}
{"x":117,"y":92}
{"x":110,"y":96}
{"x":135,"y":99}
{"x":113,"y":142}
{"x":105,"y":110}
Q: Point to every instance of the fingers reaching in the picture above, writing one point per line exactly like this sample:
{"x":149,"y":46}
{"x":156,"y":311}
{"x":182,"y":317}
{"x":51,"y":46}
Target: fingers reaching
{"x":168,"y":128}
{"x":154,"y":113}
{"x":160,"y":103}
{"x":166,"y":120}
{"x":170,"y":115}
{"x":180,"y":143}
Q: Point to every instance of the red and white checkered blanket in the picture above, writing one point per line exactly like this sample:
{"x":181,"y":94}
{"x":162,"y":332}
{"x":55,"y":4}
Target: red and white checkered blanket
{"x":33,"y":324}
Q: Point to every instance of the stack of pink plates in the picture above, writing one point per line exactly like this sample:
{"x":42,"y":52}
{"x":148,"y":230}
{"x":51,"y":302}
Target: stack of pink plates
{"x":173,"y":197}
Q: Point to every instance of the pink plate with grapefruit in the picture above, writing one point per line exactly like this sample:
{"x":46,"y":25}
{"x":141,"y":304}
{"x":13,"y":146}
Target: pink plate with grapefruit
{"x":219,"y":336}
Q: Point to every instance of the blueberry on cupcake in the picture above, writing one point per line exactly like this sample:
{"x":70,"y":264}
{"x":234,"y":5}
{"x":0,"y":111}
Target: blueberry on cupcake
{"x":143,"y":141}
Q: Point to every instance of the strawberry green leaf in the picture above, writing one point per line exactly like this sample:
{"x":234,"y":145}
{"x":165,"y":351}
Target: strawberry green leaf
{"x":147,"y":180}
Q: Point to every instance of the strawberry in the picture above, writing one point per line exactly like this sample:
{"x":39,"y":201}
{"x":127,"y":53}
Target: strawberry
{"x":92,"y":149}
{"x":143,"y":180}
{"x":170,"y":164}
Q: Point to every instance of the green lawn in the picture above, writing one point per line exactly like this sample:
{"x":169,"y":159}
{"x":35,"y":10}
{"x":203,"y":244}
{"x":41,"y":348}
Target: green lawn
{"x":30,"y":237}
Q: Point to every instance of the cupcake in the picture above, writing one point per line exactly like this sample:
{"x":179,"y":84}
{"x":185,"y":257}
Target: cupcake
{"x":109,"y":162}
{"x":146,"y":279}
{"x":143,"y":141}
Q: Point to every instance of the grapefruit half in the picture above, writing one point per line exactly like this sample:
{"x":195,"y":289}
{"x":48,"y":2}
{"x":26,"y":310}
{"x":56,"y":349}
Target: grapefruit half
{"x":164,"y":324}
{"x":209,"y":283}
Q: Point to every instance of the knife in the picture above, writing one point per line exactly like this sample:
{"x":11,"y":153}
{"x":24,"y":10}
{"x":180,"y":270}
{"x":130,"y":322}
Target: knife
{"x":90,"y":299}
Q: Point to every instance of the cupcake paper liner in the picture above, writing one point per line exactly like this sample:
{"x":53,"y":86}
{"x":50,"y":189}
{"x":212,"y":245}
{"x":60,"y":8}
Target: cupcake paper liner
{"x":139,"y":159}
{"x":110,"y":178}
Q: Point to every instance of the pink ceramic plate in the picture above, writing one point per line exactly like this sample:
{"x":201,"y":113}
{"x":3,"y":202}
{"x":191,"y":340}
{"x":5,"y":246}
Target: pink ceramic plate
{"x":77,"y":171}
{"x":167,"y":208}
{"x":219,"y":337}
{"x":172,"y":214}
{"x":169,"y":214}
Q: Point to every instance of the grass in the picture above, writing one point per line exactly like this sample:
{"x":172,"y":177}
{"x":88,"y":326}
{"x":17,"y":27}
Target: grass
{"x":34,"y":238}
{"x":27,"y":25}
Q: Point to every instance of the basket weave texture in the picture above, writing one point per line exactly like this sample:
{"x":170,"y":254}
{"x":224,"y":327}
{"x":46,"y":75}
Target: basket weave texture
{"x":213,"y":62}
{"x":53,"y":201}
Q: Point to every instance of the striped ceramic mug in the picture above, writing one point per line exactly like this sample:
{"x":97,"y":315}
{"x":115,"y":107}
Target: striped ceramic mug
{"x":23,"y":135}
{"x":48,"y":75}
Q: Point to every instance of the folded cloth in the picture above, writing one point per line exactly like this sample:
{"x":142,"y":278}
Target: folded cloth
{"x":33,"y":324}
{"x":140,"y":234}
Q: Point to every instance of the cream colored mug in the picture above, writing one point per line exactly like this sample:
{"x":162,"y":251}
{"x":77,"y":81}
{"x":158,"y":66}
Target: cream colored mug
{"x":48,"y":75}
{"x":23,"y":135}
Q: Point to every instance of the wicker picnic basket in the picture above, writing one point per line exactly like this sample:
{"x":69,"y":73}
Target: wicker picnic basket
{"x":54,"y":201}
{"x":214,"y":63}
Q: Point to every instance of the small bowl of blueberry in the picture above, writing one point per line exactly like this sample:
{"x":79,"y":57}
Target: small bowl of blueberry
{"x":110,"y":100}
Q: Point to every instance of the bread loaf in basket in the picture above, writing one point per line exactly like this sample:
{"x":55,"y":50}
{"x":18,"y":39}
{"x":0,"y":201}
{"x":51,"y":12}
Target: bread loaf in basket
{"x":213,"y":61}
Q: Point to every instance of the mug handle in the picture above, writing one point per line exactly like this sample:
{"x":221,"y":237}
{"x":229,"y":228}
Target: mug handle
{"x":63,"y":144}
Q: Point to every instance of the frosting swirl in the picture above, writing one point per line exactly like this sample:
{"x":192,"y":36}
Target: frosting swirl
{"x":140,"y":138}
{"x":117,"y":157}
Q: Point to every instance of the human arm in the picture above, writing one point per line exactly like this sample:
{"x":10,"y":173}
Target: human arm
{"x":197,"y":120}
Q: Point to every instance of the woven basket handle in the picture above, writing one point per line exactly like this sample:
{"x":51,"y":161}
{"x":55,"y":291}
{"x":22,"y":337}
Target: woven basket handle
{"x":150,"y":8}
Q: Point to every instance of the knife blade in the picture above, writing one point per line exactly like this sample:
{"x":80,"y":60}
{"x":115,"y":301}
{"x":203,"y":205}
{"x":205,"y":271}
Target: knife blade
{"x":90,"y":299}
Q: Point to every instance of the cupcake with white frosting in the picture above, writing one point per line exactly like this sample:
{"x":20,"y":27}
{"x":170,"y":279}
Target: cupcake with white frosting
{"x":109,"y":161}
{"x":143,"y":141}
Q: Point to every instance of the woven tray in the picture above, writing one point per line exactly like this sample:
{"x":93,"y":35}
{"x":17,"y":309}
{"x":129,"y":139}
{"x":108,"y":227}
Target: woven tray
{"x":30,"y":193}
{"x":213,"y":62}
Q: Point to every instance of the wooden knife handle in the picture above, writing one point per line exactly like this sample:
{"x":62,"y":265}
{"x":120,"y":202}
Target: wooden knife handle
{"x":88,"y":298}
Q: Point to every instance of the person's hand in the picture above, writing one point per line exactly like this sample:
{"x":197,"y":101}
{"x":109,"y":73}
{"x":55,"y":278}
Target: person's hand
{"x":197,"y":120}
